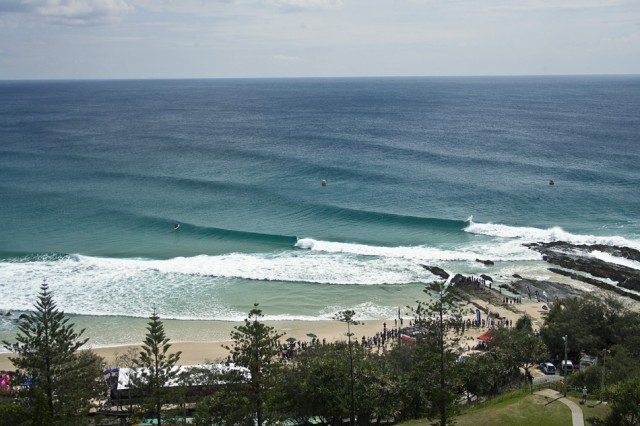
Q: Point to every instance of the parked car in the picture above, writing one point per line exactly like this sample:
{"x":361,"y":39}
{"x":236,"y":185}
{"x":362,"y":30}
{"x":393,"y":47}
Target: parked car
{"x":547,"y":368}
{"x":569,"y":367}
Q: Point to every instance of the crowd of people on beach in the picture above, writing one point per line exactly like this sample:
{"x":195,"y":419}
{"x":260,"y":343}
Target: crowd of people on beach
{"x":383,"y":339}
{"x":380,"y":340}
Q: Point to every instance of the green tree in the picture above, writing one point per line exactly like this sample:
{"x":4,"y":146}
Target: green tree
{"x":442,"y":313}
{"x":592,"y":324}
{"x":483,"y":374}
{"x":414,"y":395}
{"x":625,"y":403}
{"x":595,"y":326}
{"x":79,"y":388}
{"x":519,"y":346}
{"x":47,"y":348}
{"x":228,"y":406}
{"x":622,"y":364}
{"x":254,"y":347}
{"x":315,"y":383}
{"x":155,"y":367}
{"x":377,"y":390}
{"x":524,"y":323}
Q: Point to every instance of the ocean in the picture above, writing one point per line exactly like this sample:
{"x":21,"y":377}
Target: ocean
{"x":95,"y":175}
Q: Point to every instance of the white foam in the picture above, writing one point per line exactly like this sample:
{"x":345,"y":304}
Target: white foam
{"x":364,"y":311}
{"x":529,"y":235}
{"x":188,"y":287}
{"x":328,"y":268}
{"x":202,"y":287}
{"x":497,"y":251}
{"x":615,"y":259}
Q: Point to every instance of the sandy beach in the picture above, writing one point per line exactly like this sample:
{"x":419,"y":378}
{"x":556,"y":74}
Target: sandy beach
{"x":198,"y":352}
{"x":206,"y":351}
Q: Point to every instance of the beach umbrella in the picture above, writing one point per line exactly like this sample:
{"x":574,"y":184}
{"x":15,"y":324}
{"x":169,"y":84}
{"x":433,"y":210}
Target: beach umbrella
{"x":312,"y":335}
{"x":291,"y":339}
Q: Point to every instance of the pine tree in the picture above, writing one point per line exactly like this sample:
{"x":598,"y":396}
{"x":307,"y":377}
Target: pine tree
{"x":519,"y":346}
{"x":440,"y":315}
{"x":155,"y":366}
{"x":46,"y":347}
{"x":347,"y":316}
{"x":254,"y":347}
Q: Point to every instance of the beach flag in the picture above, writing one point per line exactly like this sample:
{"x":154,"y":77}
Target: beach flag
{"x":477,"y":315}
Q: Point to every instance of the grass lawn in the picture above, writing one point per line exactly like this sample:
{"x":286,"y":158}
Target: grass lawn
{"x":593,"y":412}
{"x":515,"y":408}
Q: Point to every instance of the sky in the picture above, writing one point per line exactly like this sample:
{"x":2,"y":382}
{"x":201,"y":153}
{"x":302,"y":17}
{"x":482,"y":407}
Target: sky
{"x":138,"y":39}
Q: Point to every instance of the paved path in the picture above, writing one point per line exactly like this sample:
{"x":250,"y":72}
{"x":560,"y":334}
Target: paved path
{"x":576,"y":412}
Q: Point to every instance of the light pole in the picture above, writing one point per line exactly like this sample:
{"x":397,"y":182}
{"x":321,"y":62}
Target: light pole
{"x":566,"y":341}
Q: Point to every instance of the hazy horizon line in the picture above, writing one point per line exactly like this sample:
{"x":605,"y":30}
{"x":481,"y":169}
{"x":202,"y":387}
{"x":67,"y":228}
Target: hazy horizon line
{"x":322,"y":77}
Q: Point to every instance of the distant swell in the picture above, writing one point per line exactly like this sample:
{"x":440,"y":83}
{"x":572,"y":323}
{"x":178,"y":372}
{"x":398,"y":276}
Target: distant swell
{"x":369,"y":216}
{"x":218,"y":233}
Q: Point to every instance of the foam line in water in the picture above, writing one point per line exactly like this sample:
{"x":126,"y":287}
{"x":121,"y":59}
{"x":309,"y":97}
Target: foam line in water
{"x":529,"y":235}
{"x":200,"y":286}
{"x":501,"y":251}
{"x":327,"y":268}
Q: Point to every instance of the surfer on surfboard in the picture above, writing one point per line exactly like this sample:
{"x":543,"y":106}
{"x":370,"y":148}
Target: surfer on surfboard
{"x":176,"y":226}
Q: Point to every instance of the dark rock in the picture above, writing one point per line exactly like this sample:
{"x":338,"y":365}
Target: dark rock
{"x":577,"y":258}
{"x":486,"y":262}
{"x":594,"y":282}
{"x":467,"y":279}
{"x":631,"y":283}
{"x":436,"y":271}
{"x":459,"y":279}
{"x":517,"y":276}
{"x":552,"y":288}
{"x":486,"y":277}
{"x":23,"y":316}
{"x":8,"y":314}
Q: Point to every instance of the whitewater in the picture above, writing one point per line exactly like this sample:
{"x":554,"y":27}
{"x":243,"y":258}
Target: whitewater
{"x":94,"y":176}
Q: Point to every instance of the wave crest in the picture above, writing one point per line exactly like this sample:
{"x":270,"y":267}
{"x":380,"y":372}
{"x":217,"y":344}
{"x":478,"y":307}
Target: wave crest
{"x":529,"y":234}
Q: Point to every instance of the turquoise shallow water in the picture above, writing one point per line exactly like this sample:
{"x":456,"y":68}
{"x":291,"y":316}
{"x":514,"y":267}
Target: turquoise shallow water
{"x":94,"y":175}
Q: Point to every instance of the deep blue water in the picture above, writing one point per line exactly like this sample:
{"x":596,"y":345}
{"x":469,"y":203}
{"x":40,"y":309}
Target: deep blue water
{"x":94,"y":175}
